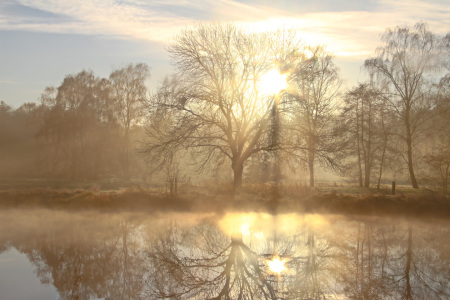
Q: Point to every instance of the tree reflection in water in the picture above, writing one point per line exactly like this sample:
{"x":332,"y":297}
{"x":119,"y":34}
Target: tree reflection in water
{"x":396,"y":260}
{"x":138,"y":256}
{"x":203,"y":263}
{"x":85,"y":255}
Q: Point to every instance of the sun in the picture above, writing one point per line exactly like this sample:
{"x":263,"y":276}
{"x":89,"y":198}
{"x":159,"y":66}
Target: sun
{"x":273,"y":82}
{"x":276,"y":265}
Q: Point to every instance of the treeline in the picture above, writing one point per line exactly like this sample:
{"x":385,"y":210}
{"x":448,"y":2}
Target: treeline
{"x":86,"y":128}
{"x":220,"y":107}
{"x":217,"y":111}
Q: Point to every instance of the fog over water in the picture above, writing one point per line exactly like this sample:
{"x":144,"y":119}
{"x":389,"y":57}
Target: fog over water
{"x":91,"y":255}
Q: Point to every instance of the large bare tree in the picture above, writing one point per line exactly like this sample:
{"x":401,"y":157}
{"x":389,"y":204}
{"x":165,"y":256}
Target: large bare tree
{"x":215,"y":106}
{"x":403,"y":62}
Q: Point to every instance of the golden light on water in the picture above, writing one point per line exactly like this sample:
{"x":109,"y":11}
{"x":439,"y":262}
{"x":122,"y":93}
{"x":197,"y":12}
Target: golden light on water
{"x":245,"y":229}
{"x":273,"y":82}
{"x":260,"y":225}
{"x":245,"y":224}
{"x":276,"y":265}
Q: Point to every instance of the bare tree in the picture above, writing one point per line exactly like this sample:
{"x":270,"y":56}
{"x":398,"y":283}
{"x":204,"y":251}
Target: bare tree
{"x":130,"y":94}
{"x":439,"y":163}
{"x":367,"y":120}
{"x":438,"y":159}
{"x":215,"y":103}
{"x":314,"y":91}
{"x":402,"y":64}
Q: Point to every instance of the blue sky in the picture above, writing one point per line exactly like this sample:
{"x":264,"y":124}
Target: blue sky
{"x":41,"y":41}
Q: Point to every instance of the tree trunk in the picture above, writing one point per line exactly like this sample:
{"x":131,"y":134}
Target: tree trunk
{"x":410,"y":166}
{"x":360,"y":177}
{"x":367,"y":168}
{"x":238,"y":169}
{"x":368,"y":151}
{"x":125,"y":154}
{"x":358,"y":148}
{"x":409,"y":152}
{"x":382,"y":159}
{"x":311,"y":167}
{"x":365,"y":145}
{"x":311,"y":173}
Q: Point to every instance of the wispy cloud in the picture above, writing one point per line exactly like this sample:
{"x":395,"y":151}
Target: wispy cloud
{"x":434,"y":12}
{"x":8,"y":82}
{"x":150,"y":20}
{"x":347,"y":33}
{"x":357,"y":33}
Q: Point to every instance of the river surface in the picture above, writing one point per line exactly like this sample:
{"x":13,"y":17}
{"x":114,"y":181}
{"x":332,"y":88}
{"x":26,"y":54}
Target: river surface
{"x":49,"y":254}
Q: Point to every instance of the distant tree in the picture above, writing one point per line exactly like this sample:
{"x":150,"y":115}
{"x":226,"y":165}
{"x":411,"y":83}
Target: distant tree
{"x":402,"y":65}
{"x":437,"y":160}
{"x":369,"y":130}
{"x":17,"y":146}
{"x":314,"y":93}
{"x":76,"y":130}
{"x":5,"y":115}
{"x":129,"y":91}
{"x":4,"y":108}
{"x":216,"y":106}
{"x":446,"y":44}
{"x":439,"y":164}
{"x":6,"y":135}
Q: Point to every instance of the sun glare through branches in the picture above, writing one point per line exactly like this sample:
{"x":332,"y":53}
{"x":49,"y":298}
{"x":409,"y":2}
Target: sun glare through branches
{"x":273,"y":82}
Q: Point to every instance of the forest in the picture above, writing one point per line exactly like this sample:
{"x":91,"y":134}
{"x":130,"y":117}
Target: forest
{"x":220,"y":117}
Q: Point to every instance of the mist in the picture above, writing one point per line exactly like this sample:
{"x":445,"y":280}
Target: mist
{"x":250,"y":172}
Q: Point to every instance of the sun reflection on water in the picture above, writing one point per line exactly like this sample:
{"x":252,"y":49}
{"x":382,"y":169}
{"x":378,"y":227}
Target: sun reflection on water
{"x":276,"y":265}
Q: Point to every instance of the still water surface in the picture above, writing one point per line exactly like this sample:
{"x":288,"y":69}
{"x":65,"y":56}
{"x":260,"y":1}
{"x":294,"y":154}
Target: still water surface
{"x":86,"y":255}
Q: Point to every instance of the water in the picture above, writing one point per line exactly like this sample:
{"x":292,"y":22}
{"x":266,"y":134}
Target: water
{"x":47,"y":254}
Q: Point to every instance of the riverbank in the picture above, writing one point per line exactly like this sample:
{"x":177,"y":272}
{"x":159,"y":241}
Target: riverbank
{"x":261,"y":198}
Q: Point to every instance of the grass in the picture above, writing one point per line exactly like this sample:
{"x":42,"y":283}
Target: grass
{"x":58,"y":183}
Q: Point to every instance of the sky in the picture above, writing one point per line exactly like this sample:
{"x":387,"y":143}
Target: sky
{"x":42,"y":41}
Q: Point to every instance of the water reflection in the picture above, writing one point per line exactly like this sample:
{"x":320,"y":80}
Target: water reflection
{"x":203,"y":263}
{"x":186,"y":256}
